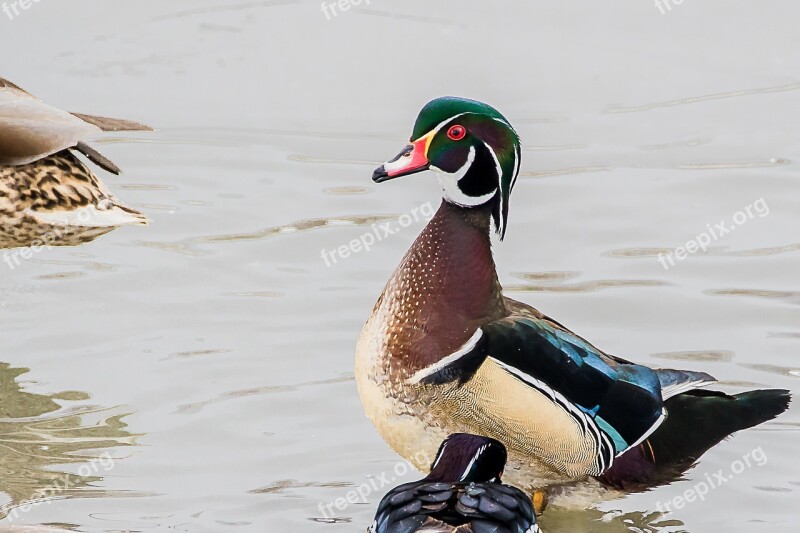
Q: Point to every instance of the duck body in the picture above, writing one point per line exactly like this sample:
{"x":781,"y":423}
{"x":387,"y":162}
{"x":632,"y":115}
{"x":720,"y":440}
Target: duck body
{"x":445,"y":352}
{"x":48,"y":196}
{"x":417,"y":323}
{"x":57,"y":201}
{"x":462,"y":494}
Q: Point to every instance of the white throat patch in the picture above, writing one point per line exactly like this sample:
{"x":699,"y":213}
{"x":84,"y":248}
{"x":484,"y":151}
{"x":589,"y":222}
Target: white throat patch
{"x":452,"y":192}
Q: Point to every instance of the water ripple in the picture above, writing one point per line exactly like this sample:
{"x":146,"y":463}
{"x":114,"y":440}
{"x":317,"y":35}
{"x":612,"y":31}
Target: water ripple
{"x":793,"y":296}
{"x":554,"y":276}
{"x":774,"y":162}
{"x":193,"y":408}
{"x":284,"y":485}
{"x":774,"y":369}
{"x":563,"y":171}
{"x":300,"y":225}
{"x":220,"y":9}
{"x":414,"y":18}
{"x":697,"y":356}
{"x":705,"y":98}
{"x":588,"y":286}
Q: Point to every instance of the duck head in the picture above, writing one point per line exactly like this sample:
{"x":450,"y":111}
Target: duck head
{"x":472,"y":148}
{"x":469,"y":458}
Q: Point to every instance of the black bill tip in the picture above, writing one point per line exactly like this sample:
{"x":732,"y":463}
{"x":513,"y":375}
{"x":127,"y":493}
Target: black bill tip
{"x":380,"y":175}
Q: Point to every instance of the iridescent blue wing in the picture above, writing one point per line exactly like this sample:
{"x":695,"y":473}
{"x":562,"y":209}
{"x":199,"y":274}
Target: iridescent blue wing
{"x":620,"y":401}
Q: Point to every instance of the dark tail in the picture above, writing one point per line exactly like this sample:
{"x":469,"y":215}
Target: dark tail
{"x":697,"y":420}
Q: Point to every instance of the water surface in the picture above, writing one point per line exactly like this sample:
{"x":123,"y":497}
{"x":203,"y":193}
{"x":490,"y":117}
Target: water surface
{"x":210,"y":355}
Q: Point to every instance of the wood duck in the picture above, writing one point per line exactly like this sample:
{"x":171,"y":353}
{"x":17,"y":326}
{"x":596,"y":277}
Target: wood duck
{"x":47,"y":194}
{"x":445,"y":352}
{"x":462,"y":494}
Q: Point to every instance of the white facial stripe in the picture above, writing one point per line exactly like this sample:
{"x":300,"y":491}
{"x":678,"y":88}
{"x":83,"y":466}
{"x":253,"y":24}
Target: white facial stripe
{"x":496,"y":161}
{"x":442,"y":123}
{"x":513,"y":181}
{"x":452,"y":192}
{"x":449,"y":181}
{"x":459,"y":174}
{"x":501,"y":121}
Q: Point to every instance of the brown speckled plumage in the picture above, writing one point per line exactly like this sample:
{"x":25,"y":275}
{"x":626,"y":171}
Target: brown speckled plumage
{"x":56,"y":183}
{"x":452,"y":252}
{"x":433,"y":359}
{"x":47,"y":195}
{"x":425,"y":314}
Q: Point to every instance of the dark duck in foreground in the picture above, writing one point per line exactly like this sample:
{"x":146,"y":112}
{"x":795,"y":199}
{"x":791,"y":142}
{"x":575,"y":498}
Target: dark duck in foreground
{"x":47,"y":194}
{"x":445,"y":352}
{"x":462,"y":494}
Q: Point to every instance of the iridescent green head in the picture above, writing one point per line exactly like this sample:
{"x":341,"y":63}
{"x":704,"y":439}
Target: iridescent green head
{"x":473,"y":149}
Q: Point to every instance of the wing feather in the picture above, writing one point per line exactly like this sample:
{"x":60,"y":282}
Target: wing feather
{"x":621,"y":402}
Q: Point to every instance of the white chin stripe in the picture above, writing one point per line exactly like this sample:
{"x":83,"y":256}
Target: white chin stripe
{"x":449,"y":182}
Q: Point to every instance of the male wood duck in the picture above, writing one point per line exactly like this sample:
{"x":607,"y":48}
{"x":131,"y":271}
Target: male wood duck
{"x":46,"y":193}
{"x":445,"y":352}
{"x":462,"y":494}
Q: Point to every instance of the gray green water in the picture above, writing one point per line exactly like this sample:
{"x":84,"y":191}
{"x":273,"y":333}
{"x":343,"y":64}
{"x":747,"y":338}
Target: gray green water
{"x":208,"y":358}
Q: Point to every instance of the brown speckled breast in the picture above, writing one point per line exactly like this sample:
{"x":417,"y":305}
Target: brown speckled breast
{"x":444,"y":289}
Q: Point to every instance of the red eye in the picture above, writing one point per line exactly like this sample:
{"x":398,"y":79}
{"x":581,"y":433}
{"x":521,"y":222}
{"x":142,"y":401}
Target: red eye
{"x":456,"y":132}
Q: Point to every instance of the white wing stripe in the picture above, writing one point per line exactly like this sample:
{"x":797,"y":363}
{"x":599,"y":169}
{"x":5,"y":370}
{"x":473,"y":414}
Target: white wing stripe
{"x":446,"y":361}
{"x":678,"y":388}
{"x":648,"y":432}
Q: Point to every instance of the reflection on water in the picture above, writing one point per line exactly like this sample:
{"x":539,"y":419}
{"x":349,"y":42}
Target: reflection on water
{"x":586,"y":286}
{"x":37,"y":434}
{"x":792,"y":296}
{"x":775,"y":369}
{"x":597,"y":521}
{"x":239,"y":338}
{"x":701,"y":357}
{"x":562,"y":171}
{"x":257,"y":391}
{"x":300,"y":225}
{"x":775,"y":161}
{"x":286,"y":485}
{"x":190,"y":246}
